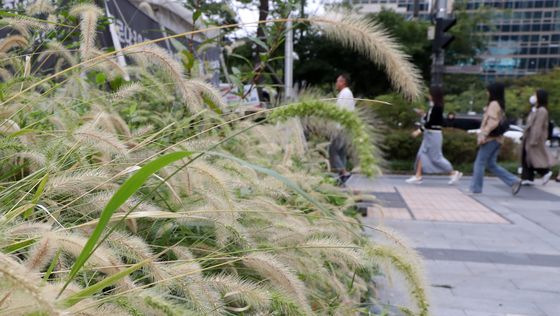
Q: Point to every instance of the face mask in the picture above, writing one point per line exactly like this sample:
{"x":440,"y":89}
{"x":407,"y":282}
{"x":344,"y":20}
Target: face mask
{"x":431,"y":103}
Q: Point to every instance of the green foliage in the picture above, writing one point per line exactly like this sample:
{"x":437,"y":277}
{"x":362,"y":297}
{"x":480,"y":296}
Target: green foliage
{"x":412,"y":35}
{"x":156,"y":239}
{"x":462,"y":89}
{"x":524,"y":87}
{"x":399,"y":113}
{"x":129,"y":187}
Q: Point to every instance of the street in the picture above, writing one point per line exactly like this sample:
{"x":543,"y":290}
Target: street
{"x":485,"y":255}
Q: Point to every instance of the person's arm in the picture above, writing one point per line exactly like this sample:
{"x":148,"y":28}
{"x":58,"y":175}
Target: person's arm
{"x":492,"y":117}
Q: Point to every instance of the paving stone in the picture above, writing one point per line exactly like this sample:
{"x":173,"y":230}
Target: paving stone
{"x":448,"y":312}
{"x":481,"y":267}
{"x":388,"y":213}
{"x":550,"y":308}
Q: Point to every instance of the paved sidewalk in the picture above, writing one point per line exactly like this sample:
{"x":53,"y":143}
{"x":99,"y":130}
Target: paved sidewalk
{"x":486,"y":255}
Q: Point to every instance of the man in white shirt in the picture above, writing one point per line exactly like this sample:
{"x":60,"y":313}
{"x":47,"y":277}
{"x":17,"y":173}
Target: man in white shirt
{"x":337,"y":149}
{"x":345,"y":98}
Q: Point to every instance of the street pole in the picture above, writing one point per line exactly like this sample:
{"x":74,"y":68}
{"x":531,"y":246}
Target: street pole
{"x":416,"y":9}
{"x":289,"y":62}
{"x":438,"y":57}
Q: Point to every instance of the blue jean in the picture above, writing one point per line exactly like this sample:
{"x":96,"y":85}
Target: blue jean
{"x":487,"y":156}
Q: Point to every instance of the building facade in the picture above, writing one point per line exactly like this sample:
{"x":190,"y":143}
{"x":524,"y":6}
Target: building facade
{"x":404,"y":7}
{"x":523,"y":35}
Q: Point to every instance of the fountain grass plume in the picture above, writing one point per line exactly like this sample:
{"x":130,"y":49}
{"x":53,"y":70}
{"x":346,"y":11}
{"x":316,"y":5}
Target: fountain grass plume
{"x":88,"y":13}
{"x":282,"y":277}
{"x":408,"y":268}
{"x":351,"y":123}
{"x":11,"y":42}
{"x":370,"y":39}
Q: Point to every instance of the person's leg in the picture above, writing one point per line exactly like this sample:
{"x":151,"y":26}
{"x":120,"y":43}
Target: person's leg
{"x":337,"y":164}
{"x":527,"y":172}
{"x":545,"y":173}
{"x":419,"y":168}
{"x":542,"y":171}
{"x":504,"y":175}
{"x":343,"y":154}
{"x":482,"y":156}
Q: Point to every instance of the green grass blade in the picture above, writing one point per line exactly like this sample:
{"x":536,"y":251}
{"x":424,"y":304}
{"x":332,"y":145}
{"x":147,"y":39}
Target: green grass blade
{"x":19,"y":245}
{"x":287,"y":182}
{"x":37,"y":196}
{"x":13,"y":214}
{"x":126,"y":190}
{"x":91,"y":290}
{"x":51,"y":266}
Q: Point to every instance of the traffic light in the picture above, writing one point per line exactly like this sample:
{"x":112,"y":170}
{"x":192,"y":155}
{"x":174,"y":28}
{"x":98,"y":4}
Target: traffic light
{"x":441,"y":38}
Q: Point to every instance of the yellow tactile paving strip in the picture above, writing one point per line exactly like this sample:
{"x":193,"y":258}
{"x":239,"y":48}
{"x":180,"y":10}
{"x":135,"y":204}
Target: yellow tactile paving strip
{"x":446,"y":204}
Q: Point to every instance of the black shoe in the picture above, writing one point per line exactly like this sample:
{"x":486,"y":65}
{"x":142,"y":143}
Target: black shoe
{"x":515,"y":188}
{"x":342,"y":179}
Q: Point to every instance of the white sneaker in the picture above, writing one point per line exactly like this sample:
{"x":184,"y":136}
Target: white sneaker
{"x":546,"y":178}
{"x":455,"y":177}
{"x":527,"y":182}
{"x":414,"y":180}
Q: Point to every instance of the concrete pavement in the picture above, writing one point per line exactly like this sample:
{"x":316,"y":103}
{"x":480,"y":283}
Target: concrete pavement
{"x":485,"y":255}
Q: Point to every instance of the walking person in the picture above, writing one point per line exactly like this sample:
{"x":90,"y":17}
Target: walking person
{"x":489,"y":141}
{"x":535,"y":156}
{"x":338,"y":154}
{"x":533,"y":108}
{"x":430,"y":158}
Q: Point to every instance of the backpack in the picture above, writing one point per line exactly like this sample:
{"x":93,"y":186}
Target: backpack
{"x":502,"y":127}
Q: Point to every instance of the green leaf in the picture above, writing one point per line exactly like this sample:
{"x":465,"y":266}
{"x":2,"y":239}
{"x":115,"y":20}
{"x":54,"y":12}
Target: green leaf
{"x":36,"y":196}
{"x":22,"y":132}
{"x":132,"y":108}
{"x":196,"y":15}
{"x":287,"y":182}
{"x":90,"y":290}
{"x":235,"y":71}
{"x":243,"y":58}
{"x":126,"y":190}
{"x":259,"y":42}
{"x":188,"y":59}
{"x":100,"y":78}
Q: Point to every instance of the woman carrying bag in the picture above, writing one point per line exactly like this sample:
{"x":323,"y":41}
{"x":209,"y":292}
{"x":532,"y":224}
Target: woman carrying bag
{"x":430,"y":158}
{"x":535,"y":155}
{"x":490,"y":139}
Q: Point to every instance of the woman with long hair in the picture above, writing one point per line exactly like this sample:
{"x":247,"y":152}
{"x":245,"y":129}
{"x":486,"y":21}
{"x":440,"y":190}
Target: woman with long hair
{"x":489,"y":142}
{"x":535,"y":156}
{"x":430,"y":158}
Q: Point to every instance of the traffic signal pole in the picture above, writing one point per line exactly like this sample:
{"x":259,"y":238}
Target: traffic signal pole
{"x":438,"y":58}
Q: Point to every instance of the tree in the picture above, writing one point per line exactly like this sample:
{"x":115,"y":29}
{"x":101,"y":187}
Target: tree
{"x":549,"y":81}
{"x":469,"y":40}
